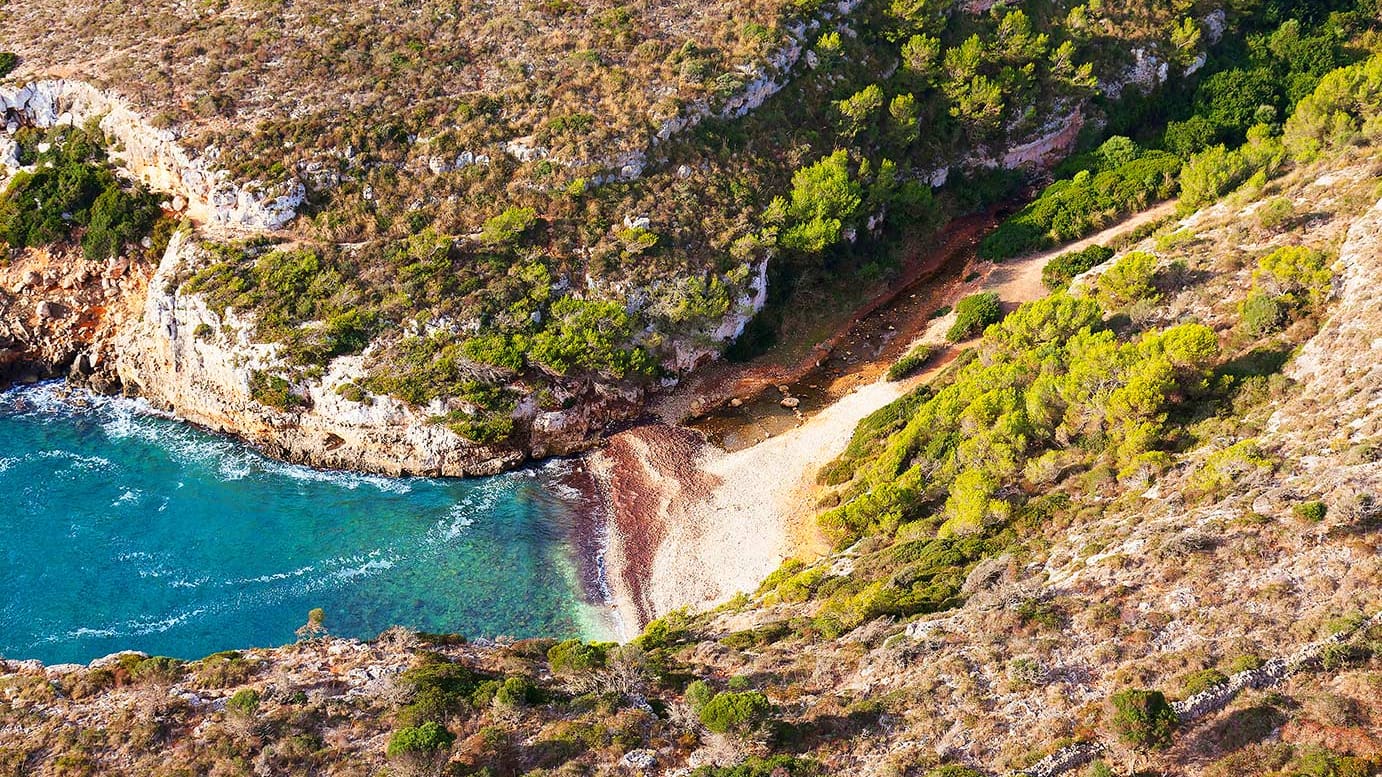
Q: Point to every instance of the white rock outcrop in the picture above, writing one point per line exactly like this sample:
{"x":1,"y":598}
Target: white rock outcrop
{"x":183,"y":356}
{"x":152,"y":154}
{"x":690,"y":354}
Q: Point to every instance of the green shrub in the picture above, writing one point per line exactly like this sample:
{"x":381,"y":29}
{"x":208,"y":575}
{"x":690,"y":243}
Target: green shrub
{"x":1058,"y":272}
{"x":698,"y":694}
{"x":1275,"y":212}
{"x":437,"y":688}
{"x":8,"y":62}
{"x":1299,"y":273}
{"x":1313,"y":511}
{"x":662,"y":633}
{"x":73,"y":185}
{"x":1262,"y":313}
{"x":484,"y":427}
{"x":736,"y":711}
{"x":158,"y":670}
{"x":117,"y":219}
{"x":910,"y":363}
{"x":1202,"y":680}
{"x":506,"y":228}
{"x":1340,"y":655}
{"x":244,"y":702}
{"x":825,"y":199}
{"x":591,"y":335}
{"x":223,"y":670}
{"x":1129,"y":280}
{"x":1143,"y":719}
{"x":1189,"y":137}
{"x":1229,"y":100}
{"x":1227,"y":466}
{"x":1216,"y":171}
{"x":1245,"y":663}
{"x":429,"y":739}
{"x":973,"y":314}
{"x":1342,"y":110}
{"x":516,"y":692}
{"x":575,"y":655}
{"x":1074,"y":207}
{"x":772,"y":766}
{"x":973,"y":503}
{"x":274,"y":391}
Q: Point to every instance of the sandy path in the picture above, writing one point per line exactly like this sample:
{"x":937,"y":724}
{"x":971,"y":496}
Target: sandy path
{"x":695,"y":524}
{"x":1019,"y":280}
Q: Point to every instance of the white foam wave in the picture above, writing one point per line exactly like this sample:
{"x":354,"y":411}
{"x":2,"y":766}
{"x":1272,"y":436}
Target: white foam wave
{"x":273,"y":577}
{"x":366,"y":569}
{"x":452,"y":525}
{"x":85,"y":632}
{"x":78,"y":461}
{"x":135,"y":418}
{"x":339,"y":478}
{"x":130,"y":628}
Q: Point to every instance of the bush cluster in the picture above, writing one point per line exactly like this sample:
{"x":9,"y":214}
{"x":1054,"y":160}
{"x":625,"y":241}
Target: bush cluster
{"x":910,"y":363}
{"x":1057,"y":273}
{"x":972,"y":314}
{"x":1074,"y":207}
{"x":1049,"y":377}
{"x":1143,"y":719}
{"x":73,"y":189}
{"x":726,"y":712}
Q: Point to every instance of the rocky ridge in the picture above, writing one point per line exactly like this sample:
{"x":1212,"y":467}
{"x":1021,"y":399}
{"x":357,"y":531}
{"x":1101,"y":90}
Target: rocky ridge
{"x":152,"y":154}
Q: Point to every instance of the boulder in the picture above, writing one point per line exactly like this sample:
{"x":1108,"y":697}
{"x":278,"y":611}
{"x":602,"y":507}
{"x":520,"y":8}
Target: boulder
{"x":46,"y":310}
{"x":640,"y":760}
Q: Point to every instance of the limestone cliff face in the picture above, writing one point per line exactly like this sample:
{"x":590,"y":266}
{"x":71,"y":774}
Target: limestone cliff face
{"x":150,"y":153}
{"x":187,"y":358}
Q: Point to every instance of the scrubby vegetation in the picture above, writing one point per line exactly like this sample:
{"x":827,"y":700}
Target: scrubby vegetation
{"x":1124,"y":178}
{"x":1057,"y":273}
{"x":488,"y":228}
{"x":910,"y":363}
{"x":1144,"y":719}
{"x":74,"y":194}
{"x":972,"y":314}
{"x":1241,"y":93}
{"x":1106,"y":490}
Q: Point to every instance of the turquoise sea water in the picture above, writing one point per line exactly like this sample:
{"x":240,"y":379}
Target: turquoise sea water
{"x":121,"y":529}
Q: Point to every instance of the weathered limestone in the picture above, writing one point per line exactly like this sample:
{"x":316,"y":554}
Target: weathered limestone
{"x":152,"y":154}
{"x":183,"y":356}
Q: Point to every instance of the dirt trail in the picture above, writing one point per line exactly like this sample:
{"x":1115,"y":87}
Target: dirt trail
{"x":1020,"y":279}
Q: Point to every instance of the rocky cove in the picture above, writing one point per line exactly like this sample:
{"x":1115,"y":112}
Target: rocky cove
{"x":129,"y":326}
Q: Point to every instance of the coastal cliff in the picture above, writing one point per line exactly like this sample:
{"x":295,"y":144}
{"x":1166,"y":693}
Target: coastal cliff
{"x":185,"y":358}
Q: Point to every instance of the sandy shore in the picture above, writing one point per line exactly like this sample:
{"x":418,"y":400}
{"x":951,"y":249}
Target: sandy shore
{"x":692,"y":524}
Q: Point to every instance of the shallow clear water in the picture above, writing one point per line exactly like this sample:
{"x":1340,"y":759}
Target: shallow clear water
{"x":121,"y":529}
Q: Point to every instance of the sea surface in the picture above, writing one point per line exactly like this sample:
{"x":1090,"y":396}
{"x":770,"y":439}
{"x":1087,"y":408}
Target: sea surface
{"x":122,"y":529}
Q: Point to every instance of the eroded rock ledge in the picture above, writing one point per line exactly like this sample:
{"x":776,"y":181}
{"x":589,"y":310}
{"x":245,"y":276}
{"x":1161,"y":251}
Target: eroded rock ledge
{"x":150,"y":153}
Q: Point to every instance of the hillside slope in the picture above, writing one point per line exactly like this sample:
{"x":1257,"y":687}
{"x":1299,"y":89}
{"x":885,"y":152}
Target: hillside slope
{"x":1256,"y":540}
{"x":506,"y":225}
